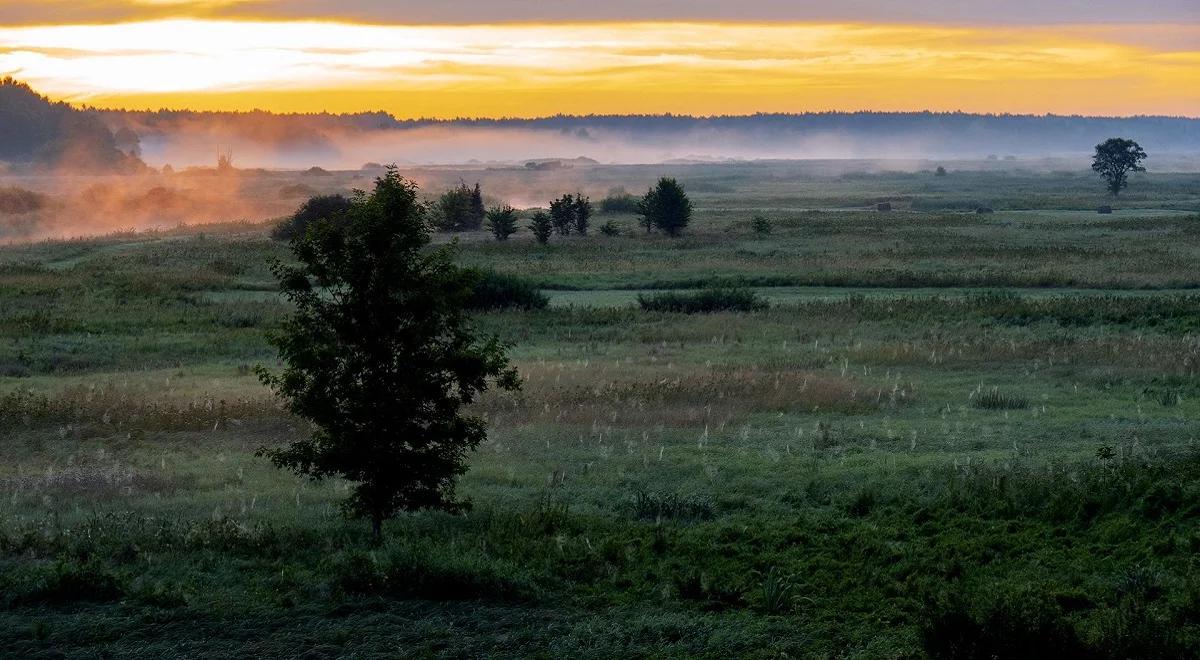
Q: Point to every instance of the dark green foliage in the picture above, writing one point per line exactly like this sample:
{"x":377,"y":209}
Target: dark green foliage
{"x":562,"y":214}
{"x":671,"y":506}
{"x":320,"y":207}
{"x":1115,"y":158}
{"x":381,"y":358}
{"x":502,"y":222}
{"x":542,"y":226}
{"x":619,"y":201}
{"x":666,"y":207}
{"x":703,"y":302}
{"x":1011,"y":626}
{"x":610,"y":229}
{"x":940,"y":171}
{"x":492,"y":291}
{"x":761,"y":225}
{"x":583,"y":213}
{"x":994,"y":399}
{"x":459,"y":209}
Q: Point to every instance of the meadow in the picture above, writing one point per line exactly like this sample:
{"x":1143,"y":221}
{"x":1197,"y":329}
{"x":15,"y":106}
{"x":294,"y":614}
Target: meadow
{"x":949,"y":434}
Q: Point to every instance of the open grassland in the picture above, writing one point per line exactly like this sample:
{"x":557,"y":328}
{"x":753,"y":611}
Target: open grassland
{"x":950,"y":433}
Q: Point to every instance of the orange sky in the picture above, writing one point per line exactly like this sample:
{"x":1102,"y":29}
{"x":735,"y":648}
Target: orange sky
{"x":701,"y":67}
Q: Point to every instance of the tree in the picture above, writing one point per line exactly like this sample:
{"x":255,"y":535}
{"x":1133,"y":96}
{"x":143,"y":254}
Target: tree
{"x":456,"y":209}
{"x":381,"y":357}
{"x":477,"y":210}
{"x":666,"y":207}
{"x":541,"y":226}
{"x":562,"y":214}
{"x":319,"y":207}
{"x":1115,"y":159}
{"x":583,"y":213}
{"x":940,"y":171}
{"x":502,"y":222}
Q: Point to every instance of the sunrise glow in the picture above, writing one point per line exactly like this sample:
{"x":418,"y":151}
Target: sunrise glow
{"x":638,"y":67}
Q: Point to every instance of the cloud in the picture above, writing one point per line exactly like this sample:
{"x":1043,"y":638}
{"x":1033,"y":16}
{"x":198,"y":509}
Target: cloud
{"x":538,"y":70}
{"x":1011,"y":12}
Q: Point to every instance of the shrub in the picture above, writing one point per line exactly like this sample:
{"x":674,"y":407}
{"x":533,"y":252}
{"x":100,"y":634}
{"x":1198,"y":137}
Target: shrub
{"x":491,"y":291}
{"x":940,"y":171}
{"x":702,"y":302}
{"x":583,"y":213}
{"x":502,"y":222}
{"x":562,"y":214}
{"x":320,"y":207}
{"x":542,"y":227}
{"x":619,"y":201}
{"x":1016,"y":625}
{"x":459,"y":209}
{"x":761,"y":225}
{"x":610,"y":228}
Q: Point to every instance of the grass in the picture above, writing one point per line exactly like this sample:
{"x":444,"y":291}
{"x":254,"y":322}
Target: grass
{"x":862,"y":470}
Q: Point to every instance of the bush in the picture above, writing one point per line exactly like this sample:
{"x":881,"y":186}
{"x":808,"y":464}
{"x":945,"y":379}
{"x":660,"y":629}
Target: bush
{"x":542,"y":227}
{"x":610,"y":228}
{"x":320,"y":207}
{"x":459,"y":209}
{"x":761,"y":225}
{"x":492,"y":291}
{"x":1018,"y":625}
{"x":703,"y":302}
{"x":562,"y":214}
{"x":619,"y":202}
{"x":502,"y":222}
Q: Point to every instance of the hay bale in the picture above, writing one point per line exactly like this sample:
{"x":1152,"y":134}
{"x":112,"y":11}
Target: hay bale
{"x":884,"y":207}
{"x":1105,"y":210}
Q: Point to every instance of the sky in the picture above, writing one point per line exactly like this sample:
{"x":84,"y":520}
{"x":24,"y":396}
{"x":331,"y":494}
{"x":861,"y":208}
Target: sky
{"x":536,"y":58}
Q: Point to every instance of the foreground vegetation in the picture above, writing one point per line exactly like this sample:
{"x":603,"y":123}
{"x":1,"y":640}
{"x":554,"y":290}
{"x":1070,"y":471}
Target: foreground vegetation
{"x":945,"y":435}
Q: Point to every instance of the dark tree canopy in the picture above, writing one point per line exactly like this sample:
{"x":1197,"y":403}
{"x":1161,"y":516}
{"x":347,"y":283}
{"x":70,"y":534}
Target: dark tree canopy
{"x":43,"y":133}
{"x":502,"y":222}
{"x":381,"y":357}
{"x":542,"y":226}
{"x":318,"y":207}
{"x":666,"y":207}
{"x":460,"y":209}
{"x":562,"y":214}
{"x":1115,"y":159}
{"x":583,"y":213}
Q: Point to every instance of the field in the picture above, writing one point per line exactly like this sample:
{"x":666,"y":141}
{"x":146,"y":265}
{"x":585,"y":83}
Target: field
{"x":951,"y":434}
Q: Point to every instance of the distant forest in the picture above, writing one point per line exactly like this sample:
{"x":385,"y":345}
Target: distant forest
{"x":36,"y":131}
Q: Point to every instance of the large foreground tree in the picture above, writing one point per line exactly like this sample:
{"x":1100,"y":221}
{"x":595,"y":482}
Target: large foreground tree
{"x":381,"y":357}
{"x":1115,"y":158}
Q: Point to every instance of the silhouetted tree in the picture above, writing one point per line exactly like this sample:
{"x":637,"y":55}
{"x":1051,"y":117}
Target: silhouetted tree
{"x":381,"y":357}
{"x":477,"y":210}
{"x":455,"y":210}
{"x":583,"y":213}
{"x":562,"y":214}
{"x":1115,"y":158}
{"x":666,"y":207}
{"x":502,"y":222}
{"x":541,"y":226}
{"x":320,"y":207}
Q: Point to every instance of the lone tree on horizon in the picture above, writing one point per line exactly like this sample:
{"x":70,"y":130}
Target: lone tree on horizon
{"x":1115,"y":158}
{"x":381,"y":357}
{"x":666,"y":207}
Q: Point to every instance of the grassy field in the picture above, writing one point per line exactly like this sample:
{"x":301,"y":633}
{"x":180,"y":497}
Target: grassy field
{"x":950,"y":435}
